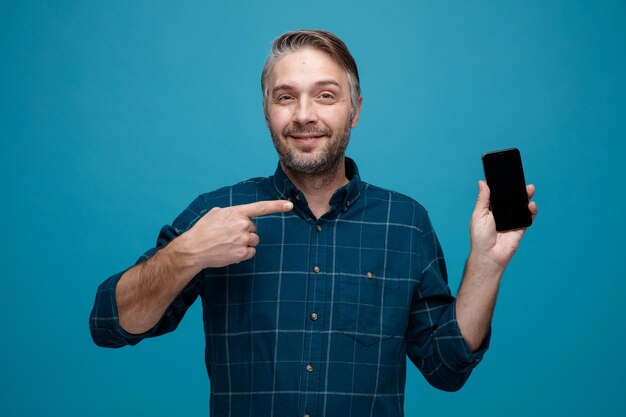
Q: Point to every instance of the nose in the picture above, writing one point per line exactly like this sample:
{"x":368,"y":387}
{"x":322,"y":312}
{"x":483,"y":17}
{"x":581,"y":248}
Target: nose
{"x":304,"y":112}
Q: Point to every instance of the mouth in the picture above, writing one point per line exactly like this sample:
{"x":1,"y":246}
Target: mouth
{"x":306,"y":137}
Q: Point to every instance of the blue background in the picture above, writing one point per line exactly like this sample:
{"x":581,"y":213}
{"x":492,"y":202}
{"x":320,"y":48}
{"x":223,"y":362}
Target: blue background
{"x":115,"y":115}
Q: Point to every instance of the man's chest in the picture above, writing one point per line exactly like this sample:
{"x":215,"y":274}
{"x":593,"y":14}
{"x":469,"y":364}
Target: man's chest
{"x":348,"y":276}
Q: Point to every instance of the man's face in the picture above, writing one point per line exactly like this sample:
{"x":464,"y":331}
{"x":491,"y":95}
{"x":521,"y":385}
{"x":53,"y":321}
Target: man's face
{"x":308,"y":111}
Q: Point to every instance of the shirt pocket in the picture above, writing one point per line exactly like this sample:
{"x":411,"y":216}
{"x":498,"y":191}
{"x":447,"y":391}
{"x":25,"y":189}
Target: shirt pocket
{"x":370,"y":306}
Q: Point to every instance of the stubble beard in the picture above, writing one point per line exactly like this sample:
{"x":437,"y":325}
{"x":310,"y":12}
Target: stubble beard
{"x":311,"y":164}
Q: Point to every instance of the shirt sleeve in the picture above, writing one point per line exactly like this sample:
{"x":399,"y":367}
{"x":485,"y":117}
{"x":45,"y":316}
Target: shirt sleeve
{"x":434,"y":341}
{"x":104,"y":321}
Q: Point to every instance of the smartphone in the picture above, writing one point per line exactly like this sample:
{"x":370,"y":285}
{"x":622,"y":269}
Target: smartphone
{"x":509,"y":200}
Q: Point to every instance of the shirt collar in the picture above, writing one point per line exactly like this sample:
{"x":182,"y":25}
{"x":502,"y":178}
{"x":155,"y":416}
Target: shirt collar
{"x":344,"y":197}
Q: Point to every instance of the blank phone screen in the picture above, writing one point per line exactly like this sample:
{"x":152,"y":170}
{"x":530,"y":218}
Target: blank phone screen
{"x":509,"y":200}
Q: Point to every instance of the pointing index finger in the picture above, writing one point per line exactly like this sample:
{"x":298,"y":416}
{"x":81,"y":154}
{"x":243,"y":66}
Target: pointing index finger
{"x":261,"y":208}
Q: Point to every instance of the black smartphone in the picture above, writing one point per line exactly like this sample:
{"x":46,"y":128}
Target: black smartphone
{"x":509,"y":200}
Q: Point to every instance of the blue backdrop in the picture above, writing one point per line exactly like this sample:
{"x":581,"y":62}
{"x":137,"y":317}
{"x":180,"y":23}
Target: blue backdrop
{"x":115,"y":115}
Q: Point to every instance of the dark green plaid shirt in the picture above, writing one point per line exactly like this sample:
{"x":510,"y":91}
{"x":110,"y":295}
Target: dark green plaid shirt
{"x":321,"y":320}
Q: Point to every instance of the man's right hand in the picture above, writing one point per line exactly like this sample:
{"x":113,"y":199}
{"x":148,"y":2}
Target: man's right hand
{"x":225,"y":236}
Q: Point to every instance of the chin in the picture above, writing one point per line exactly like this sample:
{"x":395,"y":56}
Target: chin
{"x":309,"y":162}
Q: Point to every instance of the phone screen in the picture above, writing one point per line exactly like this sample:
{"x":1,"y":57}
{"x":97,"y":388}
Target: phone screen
{"x":508,"y":199}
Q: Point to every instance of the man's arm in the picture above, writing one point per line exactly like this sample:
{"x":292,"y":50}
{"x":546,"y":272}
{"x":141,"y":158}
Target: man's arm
{"x":491,"y":251}
{"x":144,"y":292}
{"x":224,"y":236}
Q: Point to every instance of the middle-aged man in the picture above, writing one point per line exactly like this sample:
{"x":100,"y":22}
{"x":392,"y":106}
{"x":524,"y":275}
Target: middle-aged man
{"x":315,"y":285}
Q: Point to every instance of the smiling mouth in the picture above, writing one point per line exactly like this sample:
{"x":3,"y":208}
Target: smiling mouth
{"x":306,"y":137}
{"x":309,"y":133}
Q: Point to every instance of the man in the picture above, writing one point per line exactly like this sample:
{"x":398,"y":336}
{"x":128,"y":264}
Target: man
{"x":315,"y":285}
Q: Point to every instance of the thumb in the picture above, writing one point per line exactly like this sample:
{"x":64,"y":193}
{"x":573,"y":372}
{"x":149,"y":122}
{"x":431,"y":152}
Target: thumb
{"x":482,"y":201}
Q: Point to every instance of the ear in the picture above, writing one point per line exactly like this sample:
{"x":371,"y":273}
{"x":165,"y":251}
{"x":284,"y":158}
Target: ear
{"x":267,"y":120}
{"x":357,"y":112}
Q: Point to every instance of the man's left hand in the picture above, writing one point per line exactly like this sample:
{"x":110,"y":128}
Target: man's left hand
{"x":487,"y":243}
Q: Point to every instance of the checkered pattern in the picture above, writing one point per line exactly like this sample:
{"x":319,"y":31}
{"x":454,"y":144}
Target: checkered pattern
{"x":322,"y":319}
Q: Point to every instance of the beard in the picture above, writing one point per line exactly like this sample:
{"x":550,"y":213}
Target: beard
{"x":312,"y":162}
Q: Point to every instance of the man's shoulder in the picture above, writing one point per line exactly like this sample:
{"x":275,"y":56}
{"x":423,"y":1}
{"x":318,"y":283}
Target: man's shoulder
{"x":394,"y":197}
{"x":402,"y":208}
{"x":248,"y":191}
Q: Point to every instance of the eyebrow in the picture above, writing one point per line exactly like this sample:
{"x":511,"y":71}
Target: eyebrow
{"x":322,"y":83}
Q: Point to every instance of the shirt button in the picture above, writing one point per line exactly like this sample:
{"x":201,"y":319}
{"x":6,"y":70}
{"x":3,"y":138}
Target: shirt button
{"x":309,"y":368}
{"x":370,"y":275}
{"x":318,"y":228}
{"x":298,"y":197}
{"x":316,"y":269}
{"x":307,"y":415}
{"x":313,"y":316}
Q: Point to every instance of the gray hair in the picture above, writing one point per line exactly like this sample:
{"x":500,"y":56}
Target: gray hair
{"x":316,"y":39}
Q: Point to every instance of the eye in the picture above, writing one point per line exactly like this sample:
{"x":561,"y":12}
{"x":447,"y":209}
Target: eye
{"x":285,"y":98}
{"x":327,"y":97}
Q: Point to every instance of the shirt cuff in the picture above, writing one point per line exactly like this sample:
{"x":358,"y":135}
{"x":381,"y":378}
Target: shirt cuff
{"x":104,"y":320}
{"x":452,"y":347}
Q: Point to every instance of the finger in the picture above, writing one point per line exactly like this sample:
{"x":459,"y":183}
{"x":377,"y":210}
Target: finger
{"x":532,"y":206}
{"x":482,"y":201}
{"x":250,"y":254}
{"x":530,"y":189}
{"x":247,"y":224}
{"x":253,"y":239}
{"x":261,"y":208}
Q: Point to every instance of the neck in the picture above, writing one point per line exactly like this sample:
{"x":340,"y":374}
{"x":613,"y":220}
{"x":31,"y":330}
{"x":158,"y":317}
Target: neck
{"x":319,"y":188}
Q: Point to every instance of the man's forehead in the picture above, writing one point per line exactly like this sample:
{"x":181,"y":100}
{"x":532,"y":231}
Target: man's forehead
{"x":307,"y":66}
